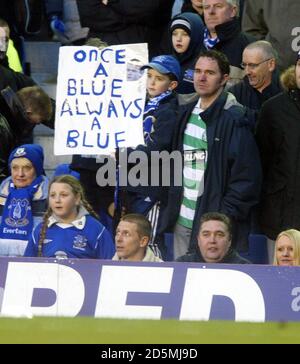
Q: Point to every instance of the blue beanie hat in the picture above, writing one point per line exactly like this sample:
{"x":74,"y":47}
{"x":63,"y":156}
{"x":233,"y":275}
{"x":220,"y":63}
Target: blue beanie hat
{"x":65,"y":169}
{"x":33,"y":152}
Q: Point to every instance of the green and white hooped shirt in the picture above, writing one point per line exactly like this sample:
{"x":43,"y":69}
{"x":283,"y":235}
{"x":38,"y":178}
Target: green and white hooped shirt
{"x":195,"y":159}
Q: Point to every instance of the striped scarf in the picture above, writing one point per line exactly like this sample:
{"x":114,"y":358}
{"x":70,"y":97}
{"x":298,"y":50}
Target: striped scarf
{"x":150,"y":107}
{"x":209,"y":42}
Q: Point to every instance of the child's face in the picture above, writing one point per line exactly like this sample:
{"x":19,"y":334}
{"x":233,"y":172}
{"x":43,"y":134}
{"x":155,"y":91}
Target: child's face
{"x":63,"y":202}
{"x":180,"y":40}
{"x":157,"y":83}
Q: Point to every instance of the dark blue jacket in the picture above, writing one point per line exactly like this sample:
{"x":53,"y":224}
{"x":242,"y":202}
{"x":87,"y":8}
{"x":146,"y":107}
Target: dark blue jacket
{"x":248,"y":96}
{"x":231,"y":257}
{"x":233,"y":177}
{"x":160,"y":140}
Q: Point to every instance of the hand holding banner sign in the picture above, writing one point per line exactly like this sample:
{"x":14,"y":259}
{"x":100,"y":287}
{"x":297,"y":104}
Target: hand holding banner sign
{"x":99,"y":106}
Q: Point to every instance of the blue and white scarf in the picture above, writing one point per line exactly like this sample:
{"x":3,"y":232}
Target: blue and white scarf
{"x":209,"y":42}
{"x":17,"y":219}
{"x":150,"y":107}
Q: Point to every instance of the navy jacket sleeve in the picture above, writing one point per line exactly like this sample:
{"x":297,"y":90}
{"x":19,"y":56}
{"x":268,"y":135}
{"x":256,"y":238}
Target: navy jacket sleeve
{"x":245,"y":176}
{"x":163,"y":128}
{"x":268,"y":136}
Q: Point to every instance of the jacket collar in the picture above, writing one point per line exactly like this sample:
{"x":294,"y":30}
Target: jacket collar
{"x":79,"y":222}
{"x":224,"y":101}
{"x":228,"y":30}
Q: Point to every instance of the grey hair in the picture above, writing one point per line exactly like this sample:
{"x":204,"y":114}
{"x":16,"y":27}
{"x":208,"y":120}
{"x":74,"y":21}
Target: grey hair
{"x":234,"y":3}
{"x":265,"y":47}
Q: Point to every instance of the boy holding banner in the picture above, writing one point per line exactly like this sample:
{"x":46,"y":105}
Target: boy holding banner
{"x":158,"y":125}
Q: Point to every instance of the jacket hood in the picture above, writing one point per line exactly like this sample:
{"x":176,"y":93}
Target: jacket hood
{"x":197,"y":31}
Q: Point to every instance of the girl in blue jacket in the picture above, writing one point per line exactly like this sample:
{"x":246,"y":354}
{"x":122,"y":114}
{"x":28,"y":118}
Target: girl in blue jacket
{"x":68,"y":229}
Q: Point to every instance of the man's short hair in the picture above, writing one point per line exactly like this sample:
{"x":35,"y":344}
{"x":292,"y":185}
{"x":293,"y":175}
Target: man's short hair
{"x":217,"y":216}
{"x":265,"y":47}
{"x":220,"y":58}
{"x":143,"y":224}
{"x":3,"y":23}
{"x":235,"y":3}
{"x":37,"y":100}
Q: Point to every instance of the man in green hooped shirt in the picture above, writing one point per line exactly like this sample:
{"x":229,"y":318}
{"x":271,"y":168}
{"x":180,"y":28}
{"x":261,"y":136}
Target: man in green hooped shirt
{"x":221,"y":166}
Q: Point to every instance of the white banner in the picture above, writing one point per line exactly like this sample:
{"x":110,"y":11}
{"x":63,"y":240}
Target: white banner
{"x":100,"y":99}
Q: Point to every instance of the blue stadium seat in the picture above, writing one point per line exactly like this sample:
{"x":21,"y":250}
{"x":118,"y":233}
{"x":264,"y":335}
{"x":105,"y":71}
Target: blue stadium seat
{"x":169,"y":237}
{"x":257,"y":253}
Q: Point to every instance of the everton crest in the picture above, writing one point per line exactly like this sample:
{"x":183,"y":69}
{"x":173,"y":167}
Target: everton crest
{"x":80,"y":242}
{"x":18,"y":211}
{"x":20,"y":152}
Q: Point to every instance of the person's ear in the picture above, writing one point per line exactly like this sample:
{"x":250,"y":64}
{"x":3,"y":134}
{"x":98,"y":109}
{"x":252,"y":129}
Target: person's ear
{"x":144,"y":241}
{"x":225,"y":79}
{"x":172,"y":85}
{"x":234,"y":11}
{"x":78,"y":200}
{"x":272,"y":64}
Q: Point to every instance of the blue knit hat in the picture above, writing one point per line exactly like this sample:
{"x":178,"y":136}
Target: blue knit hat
{"x":33,"y":152}
{"x":64,"y":168}
{"x":165,"y":64}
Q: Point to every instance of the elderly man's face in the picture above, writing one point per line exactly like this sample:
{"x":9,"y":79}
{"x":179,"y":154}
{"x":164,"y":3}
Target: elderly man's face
{"x":258,"y":68}
{"x":217,"y":12}
{"x":22,"y":172}
{"x":213,"y":241}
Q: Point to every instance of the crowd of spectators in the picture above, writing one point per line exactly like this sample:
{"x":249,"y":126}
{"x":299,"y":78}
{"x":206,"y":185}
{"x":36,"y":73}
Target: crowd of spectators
{"x":223,"y":86}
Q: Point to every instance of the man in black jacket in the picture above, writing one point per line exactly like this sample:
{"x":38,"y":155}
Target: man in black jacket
{"x":261,"y":80}
{"x":223,"y":33}
{"x":221,"y":170}
{"x":214,"y":242}
{"x":278,"y":137}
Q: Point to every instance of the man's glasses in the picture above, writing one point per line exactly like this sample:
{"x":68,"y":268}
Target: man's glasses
{"x":253,"y":66}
